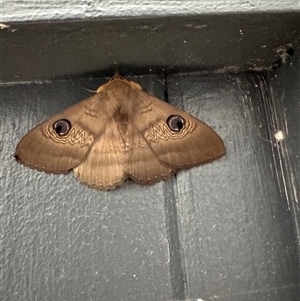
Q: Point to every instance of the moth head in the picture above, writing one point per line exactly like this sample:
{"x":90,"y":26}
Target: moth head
{"x":117,"y":76}
{"x":62,"y":127}
{"x":118,"y":80}
{"x":175,"y":123}
{"x":133,"y":84}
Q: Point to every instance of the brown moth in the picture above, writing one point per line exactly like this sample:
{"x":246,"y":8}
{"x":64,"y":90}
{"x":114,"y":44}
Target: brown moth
{"x":119,"y":133}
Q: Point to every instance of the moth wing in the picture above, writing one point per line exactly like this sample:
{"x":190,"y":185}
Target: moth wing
{"x":143,"y":166}
{"x":116,"y":156}
{"x":196,"y":143}
{"x":44,"y":150}
{"x":103,"y":167}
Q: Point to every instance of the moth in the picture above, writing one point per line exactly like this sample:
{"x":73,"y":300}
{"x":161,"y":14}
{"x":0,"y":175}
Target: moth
{"x":119,"y":133}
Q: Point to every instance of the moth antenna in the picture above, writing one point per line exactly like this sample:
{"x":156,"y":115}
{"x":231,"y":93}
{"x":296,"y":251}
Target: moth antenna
{"x":93,"y":91}
{"x":149,"y":85}
{"x":162,"y":82}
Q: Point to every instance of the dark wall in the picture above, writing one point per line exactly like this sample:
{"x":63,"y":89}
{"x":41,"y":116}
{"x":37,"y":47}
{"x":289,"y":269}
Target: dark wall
{"x":223,"y":42}
{"x":228,"y":230}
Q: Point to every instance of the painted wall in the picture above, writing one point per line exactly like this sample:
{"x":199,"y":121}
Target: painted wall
{"x":228,"y":230}
{"x":32,"y":10}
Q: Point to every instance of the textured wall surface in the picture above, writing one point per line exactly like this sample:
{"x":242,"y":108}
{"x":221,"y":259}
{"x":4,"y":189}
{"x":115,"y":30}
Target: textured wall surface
{"x":32,"y":10}
{"x":224,"y":230}
{"x":284,"y":117}
{"x":75,"y":48}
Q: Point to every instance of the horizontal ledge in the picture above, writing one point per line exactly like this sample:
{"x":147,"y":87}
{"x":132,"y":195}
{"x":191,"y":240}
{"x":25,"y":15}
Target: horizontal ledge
{"x":32,"y":10}
{"x":46,"y":50}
